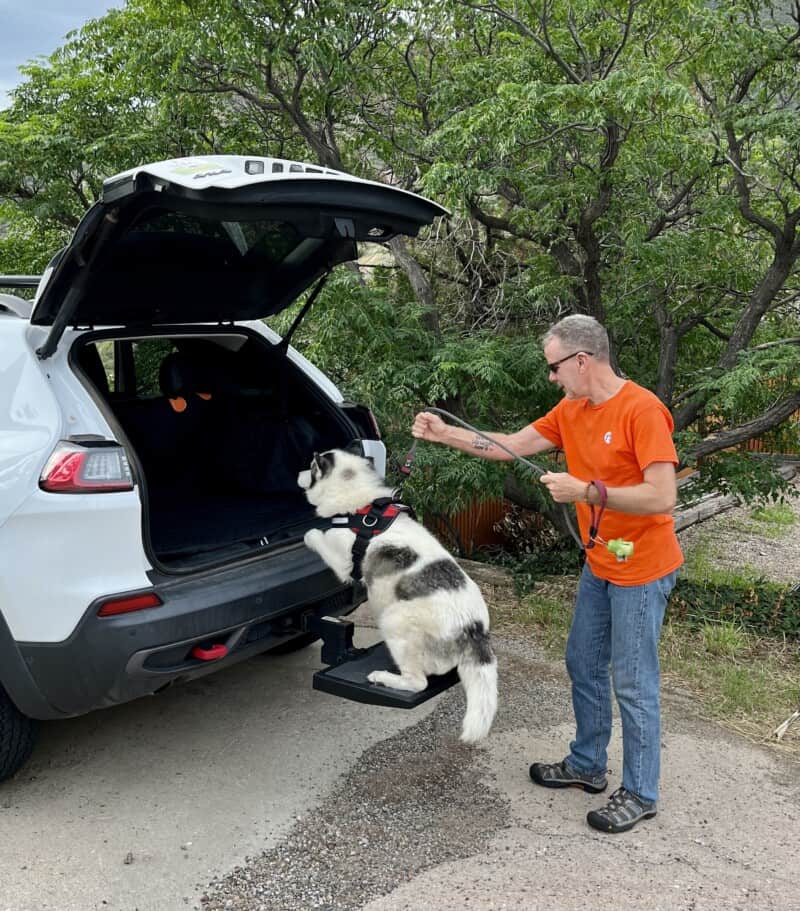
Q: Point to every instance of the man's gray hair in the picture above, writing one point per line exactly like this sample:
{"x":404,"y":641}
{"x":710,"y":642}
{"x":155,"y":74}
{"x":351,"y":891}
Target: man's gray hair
{"x":580,"y":333}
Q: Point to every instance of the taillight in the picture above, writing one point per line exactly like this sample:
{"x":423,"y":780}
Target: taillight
{"x":73,"y":468}
{"x":127,"y":604}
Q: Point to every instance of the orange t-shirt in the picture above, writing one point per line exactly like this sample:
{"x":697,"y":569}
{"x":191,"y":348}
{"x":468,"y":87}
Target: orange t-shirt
{"x":614,"y":442}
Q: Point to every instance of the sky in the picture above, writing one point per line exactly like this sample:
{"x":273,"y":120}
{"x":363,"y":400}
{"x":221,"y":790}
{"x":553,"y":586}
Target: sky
{"x":30,"y":28}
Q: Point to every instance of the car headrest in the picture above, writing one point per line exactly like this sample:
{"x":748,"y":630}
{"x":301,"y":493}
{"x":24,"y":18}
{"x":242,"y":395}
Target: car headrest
{"x":214,"y":369}
{"x":176,"y":377}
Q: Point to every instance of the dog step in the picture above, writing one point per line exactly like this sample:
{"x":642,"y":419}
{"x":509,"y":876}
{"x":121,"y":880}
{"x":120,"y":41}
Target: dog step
{"x":348,"y":680}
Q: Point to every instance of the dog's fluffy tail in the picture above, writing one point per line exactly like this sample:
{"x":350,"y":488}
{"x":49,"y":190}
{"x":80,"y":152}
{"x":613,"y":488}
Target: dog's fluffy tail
{"x":478,"y":672}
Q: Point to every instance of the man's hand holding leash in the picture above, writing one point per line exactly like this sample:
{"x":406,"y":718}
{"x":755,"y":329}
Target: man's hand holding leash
{"x":564,"y":488}
{"x":430,"y":427}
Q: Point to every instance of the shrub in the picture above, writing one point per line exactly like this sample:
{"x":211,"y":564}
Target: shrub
{"x":762,"y":607}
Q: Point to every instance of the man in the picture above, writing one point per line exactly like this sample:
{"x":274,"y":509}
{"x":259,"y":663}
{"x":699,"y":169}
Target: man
{"x":617,"y":439}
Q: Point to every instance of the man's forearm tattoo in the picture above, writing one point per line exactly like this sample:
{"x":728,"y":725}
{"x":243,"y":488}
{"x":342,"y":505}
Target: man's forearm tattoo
{"x":479,"y":442}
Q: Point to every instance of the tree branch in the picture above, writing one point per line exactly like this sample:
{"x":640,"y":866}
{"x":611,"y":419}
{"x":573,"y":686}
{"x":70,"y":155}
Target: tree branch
{"x":543,"y":44}
{"x":771,"y":418}
{"x":743,"y":190}
{"x":669,"y":216}
{"x":775,"y":344}
{"x":496,"y":223}
{"x":625,"y":34}
{"x":419,"y":283}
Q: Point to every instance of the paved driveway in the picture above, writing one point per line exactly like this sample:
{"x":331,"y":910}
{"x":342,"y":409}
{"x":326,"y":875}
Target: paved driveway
{"x":247,"y":791}
{"x":138,"y":807}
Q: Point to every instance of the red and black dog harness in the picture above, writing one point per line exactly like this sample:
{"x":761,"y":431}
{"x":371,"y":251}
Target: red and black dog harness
{"x":368,"y":522}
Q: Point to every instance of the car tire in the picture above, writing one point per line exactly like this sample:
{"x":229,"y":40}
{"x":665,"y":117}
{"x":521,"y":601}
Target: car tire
{"x":17,"y":737}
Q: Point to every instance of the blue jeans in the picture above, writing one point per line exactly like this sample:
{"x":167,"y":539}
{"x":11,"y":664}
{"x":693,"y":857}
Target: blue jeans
{"x":618,"y":626}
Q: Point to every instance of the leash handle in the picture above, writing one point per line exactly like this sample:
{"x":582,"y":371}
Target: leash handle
{"x":594,"y":518}
{"x":405,"y":471}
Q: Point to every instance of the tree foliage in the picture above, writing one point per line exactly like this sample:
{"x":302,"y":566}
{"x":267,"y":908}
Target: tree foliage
{"x":634,"y":160}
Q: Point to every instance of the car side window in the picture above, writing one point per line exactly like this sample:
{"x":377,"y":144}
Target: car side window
{"x":96,"y":361}
{"x":106,"y":352}
{"x":147,"y":357}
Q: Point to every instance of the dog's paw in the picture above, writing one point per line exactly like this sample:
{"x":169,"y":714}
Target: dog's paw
{"x":384,"y":678}
{"x":313,"y":538}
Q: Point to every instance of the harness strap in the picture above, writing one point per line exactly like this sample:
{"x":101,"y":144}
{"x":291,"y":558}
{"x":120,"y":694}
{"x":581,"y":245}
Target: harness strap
{"x":366,"y":523}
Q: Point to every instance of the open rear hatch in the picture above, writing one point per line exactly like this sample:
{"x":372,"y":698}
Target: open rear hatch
{"x":215,"y":239}
{"x":223,"y":239}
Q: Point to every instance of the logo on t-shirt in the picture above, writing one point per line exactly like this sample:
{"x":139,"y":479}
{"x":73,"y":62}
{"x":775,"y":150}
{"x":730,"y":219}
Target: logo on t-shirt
{"x":607,"y":437}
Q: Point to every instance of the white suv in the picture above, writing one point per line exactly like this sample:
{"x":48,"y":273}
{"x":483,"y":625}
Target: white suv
{"x":152,"y":429}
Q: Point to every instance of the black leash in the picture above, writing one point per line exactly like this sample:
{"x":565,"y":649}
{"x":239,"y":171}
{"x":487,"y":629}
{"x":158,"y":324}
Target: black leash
{"x":531,"y":466}
{"x":378,"y":516}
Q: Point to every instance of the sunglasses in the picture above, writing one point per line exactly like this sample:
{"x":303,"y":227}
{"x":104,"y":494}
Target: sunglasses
{"x":553,"y":368}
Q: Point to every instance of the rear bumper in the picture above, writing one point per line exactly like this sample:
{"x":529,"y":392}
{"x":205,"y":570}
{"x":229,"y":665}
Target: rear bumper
{"x":112,"y":660}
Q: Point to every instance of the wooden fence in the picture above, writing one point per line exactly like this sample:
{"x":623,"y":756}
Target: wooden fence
{"x":774,"y":442}
{"x":471,"y":528}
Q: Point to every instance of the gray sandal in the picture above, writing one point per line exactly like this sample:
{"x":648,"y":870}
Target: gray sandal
{"x":562,"y":775}
{"x":623,"y":810}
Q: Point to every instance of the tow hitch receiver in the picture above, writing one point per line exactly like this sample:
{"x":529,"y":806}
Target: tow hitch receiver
{"x":347,"y":676}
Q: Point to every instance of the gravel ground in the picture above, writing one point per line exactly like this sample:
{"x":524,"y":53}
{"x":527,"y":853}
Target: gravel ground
{"x":413,"y":802}
{"x":737,"y":542}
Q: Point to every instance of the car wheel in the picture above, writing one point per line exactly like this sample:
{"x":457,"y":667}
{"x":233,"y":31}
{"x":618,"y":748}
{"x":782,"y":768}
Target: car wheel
{"x":17,"y":737}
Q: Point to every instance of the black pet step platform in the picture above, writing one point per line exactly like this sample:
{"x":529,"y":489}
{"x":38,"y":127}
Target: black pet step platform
{"x":347,"y":677}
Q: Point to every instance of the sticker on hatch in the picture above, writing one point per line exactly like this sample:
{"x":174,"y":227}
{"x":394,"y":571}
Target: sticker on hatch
{"x":199,"y":169}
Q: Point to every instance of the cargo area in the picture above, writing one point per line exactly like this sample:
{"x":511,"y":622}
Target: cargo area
{"x":219,"y":426}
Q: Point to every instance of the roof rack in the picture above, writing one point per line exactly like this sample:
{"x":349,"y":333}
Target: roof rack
{"x":20,"y":281}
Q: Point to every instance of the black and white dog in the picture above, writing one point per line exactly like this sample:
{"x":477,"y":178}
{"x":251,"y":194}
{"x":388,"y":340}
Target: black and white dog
{"x":431,"y":614}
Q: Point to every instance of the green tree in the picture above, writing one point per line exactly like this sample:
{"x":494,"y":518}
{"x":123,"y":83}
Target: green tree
{"x":636,"y":161}
{"x":597,"y":151}
{"x":97,"y":106}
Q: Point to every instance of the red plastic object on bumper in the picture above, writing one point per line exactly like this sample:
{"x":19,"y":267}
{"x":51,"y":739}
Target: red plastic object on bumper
{"x":210,"y":654}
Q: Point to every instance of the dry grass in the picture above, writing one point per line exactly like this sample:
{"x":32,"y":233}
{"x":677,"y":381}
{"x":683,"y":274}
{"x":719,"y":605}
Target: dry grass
{"x":746,"y":683}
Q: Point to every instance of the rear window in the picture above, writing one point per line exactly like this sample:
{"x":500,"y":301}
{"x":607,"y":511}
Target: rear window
{"x":270,"y":241}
